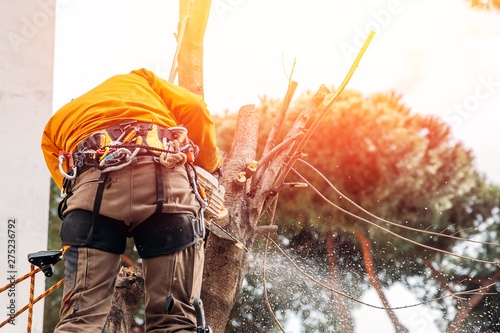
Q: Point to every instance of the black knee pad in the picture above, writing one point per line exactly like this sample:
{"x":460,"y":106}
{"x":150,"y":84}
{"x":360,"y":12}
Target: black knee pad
{"x":109,"y":235}
{"x":164,"y":234}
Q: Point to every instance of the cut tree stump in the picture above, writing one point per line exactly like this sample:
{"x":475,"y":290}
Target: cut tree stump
{"x":129,"y":290}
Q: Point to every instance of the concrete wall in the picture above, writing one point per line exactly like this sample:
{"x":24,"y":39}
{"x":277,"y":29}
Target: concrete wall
{"x":26,"y":75}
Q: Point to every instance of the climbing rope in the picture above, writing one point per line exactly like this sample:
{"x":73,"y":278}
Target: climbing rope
{"x":33,"y":302}
{"x":45,"y":260}
{"x":30,"y":303}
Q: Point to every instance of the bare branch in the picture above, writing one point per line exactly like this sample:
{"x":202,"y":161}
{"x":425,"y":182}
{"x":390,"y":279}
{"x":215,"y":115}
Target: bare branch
{"x":463,"y":311}
{"x":267,"y":174}
{"x":290,"y":185}
{"x":437,"y":275}
{"x":325,"y":109}
{"x":477,"y":291}
{"x":268,"y":304}
{"x":280,"y":117}
{"x":267,"y":229}
{"x":440,"y":234}
{"x":273,"y":212}
{"x":251,"y":169}
{"x":366,"y":247}
{"x":283,"y":145}
{"x":388,"y":231}
{"x":340,"y":302}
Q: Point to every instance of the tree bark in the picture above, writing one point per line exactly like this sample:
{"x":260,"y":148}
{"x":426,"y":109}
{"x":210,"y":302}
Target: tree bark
{"x":464,"y":307}
{"x":225,"y":264}
{"x":366,"y":246}
{"x":344,"y":314}
{"x":190,"y":58}
{"x":129,"y":290}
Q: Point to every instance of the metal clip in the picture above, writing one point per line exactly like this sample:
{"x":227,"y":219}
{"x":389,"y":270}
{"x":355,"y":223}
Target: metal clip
{"x":62,"y":156}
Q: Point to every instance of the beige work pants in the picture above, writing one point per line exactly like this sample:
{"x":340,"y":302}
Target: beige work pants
{"x":172,"y":281}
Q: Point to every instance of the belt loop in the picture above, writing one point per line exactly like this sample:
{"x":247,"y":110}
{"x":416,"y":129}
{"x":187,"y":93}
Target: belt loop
{"x":160,"y":193}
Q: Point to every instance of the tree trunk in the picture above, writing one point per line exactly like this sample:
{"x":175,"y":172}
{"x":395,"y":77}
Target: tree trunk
{"x":190,"y":59}
{"x":129,"y":289}
{"x":366,"y":246}
{"x":464,"y":308}
{"x":344,"y":314}
{"x":225,"y":264}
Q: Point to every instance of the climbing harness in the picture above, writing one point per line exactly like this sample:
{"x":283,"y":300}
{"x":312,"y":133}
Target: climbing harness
{"x":44,"y":260}
{"x":116,"y":147}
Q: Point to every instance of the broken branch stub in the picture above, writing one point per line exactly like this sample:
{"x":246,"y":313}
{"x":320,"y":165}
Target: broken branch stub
{"x":280,"y":118}
{"x":243,"y":151}
{"x":270,"y":166}
{"x":244,"y":145}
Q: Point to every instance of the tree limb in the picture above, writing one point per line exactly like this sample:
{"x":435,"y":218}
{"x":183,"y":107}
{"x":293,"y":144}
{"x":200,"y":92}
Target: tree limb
{"x":323,"y":112}
{"x":310,"y":112}
{"x":190,"y":59}
{"x":267,"y":229}
{"x":345,"y":317}
{"x":366,"y":247}
{"x":280,"y":117}
{"x":437,"y":275}
{"x":465,"y":308}
{"x":270,"y":165}
{"x":273,"y":152}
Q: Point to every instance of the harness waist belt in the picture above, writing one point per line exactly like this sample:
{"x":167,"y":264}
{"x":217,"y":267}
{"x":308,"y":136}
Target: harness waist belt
{"x":116,"y":146}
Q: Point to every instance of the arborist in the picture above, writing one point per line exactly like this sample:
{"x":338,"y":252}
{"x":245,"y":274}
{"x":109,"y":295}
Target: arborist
{"x":122,"y":155}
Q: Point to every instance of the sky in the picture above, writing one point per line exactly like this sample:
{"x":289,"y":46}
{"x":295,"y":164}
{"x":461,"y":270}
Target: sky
{"x":440,"y":56}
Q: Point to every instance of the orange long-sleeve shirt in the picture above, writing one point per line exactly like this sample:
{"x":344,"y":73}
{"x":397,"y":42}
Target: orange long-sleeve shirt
{"x":141,"y":96}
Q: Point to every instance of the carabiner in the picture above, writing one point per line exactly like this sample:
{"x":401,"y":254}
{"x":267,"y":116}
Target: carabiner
{"x":62,"y":156}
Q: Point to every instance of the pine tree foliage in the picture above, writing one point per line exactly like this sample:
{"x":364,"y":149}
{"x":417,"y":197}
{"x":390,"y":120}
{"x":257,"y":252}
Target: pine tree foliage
{"x":397,"y":164}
